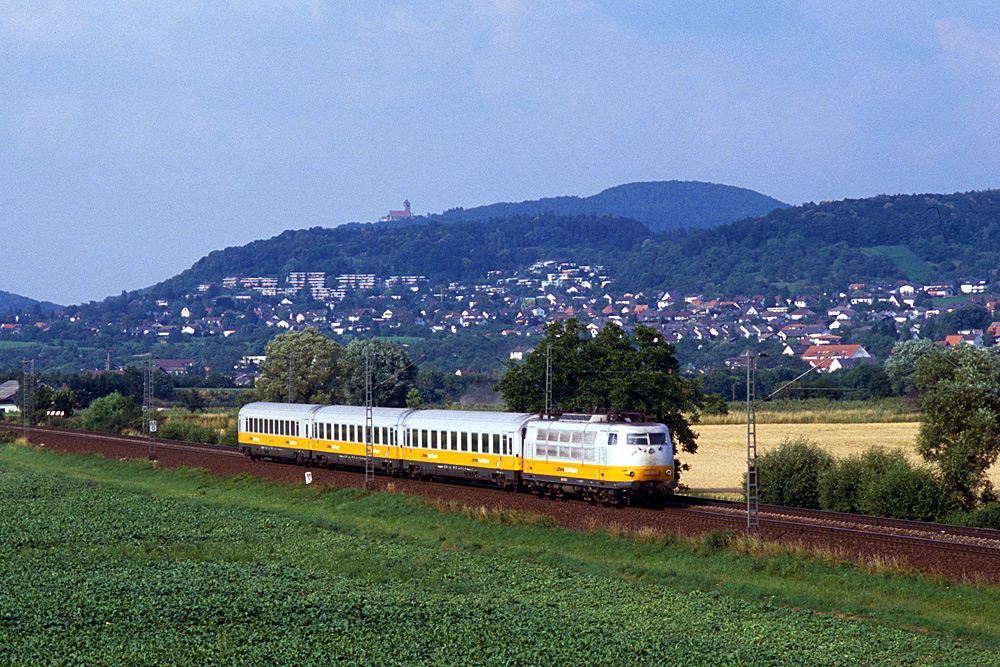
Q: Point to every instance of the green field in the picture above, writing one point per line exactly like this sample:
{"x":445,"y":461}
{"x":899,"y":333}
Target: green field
{"x":110,"y":563}
{"x":912,"y":266}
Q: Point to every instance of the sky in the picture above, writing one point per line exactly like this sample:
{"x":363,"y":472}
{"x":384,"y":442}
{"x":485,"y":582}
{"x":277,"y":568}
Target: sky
{"x":136,"y":136}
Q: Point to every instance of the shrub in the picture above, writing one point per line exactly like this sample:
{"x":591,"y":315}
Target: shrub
{"x":113,"y":413}
{"x":715,"y":405}
{"x":176,"y":429}
{"x":790,"y":474}
{"x":901,"y":491}
{"x":840,"y":487}
{"x":987,"y":516}
{"x":882,"y":483}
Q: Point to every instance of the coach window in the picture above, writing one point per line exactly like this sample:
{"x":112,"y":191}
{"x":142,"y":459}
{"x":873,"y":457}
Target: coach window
{"x":351,"y":433}
{"x":496,"y":443}
{"x":464,"y":440}
{"x":475,"y":442}
{"x":434,"y":440}
{"x":506,"y":444}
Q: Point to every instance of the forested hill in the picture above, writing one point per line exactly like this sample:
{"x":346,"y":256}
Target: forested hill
{"x":826,"y":246}
{"x":442,"y":252}
{"x":15,"y":302}
{"x":900,"y":237}
{"x":662,"y":205}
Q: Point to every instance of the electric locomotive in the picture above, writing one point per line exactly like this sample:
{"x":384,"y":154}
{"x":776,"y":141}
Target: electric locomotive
{"x":593,"y":457}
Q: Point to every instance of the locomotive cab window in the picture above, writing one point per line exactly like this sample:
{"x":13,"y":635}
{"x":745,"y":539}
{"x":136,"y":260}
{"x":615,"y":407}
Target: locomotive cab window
{"x":640,"y":439}
{"x":612,"y":439}
{"x":657,"y":438}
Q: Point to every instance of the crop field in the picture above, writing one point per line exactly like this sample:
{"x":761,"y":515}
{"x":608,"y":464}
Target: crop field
{"x":722,"y":448}
{"x":172,"y":567}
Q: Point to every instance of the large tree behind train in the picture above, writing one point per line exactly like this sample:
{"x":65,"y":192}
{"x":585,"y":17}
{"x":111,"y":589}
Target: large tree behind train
{"x":611,"y":371}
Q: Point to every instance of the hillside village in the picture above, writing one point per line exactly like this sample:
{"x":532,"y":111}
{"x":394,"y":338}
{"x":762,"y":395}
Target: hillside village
{"x":516,"y":307}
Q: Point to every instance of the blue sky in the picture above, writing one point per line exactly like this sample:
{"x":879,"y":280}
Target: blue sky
{"x":137,"y":136}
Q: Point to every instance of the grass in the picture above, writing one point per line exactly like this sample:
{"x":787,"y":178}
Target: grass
{"x":906,"y":260}
{"x":295,"y":572}
{"x":819,"y":410}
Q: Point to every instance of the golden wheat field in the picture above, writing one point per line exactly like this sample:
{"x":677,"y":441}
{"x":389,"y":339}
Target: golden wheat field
{"x":721,"y":459}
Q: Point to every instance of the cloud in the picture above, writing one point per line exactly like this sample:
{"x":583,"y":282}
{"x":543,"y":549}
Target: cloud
{"x":968,"y":48}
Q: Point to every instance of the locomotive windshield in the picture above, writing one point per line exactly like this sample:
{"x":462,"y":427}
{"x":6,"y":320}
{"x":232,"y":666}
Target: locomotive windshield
{"x":642,"y":439}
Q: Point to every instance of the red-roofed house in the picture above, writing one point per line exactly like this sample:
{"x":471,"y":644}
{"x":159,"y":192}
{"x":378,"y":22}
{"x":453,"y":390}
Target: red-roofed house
{"x":822,"y":357}
{"x":968,"y":339}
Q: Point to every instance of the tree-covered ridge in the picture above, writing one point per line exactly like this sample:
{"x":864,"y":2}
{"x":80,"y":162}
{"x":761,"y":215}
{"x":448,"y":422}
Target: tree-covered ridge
{"x":10,"y":301}
{"x":662,"y":205}
{"x":831,"y":244}
{"x":442,"y":252}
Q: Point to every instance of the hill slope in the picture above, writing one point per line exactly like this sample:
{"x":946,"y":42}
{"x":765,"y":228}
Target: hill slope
{"x":442,"y":252}
{"x":815,"y":246}
{"x":9,"y":301}
{"x":899,"y":237}
{"x":662,"y":205}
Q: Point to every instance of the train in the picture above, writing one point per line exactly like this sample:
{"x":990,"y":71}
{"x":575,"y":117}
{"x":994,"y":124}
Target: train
{"x":602,"y":458}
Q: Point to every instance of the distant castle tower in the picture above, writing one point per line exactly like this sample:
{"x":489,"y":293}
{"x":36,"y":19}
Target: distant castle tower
{"x":398,"y":215}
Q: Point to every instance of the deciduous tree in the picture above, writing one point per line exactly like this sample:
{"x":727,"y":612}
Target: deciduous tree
{"x":960,"y":431}
{"x":392,"y":372}
{"x":609,"y":372}
{"x":306,"y":362}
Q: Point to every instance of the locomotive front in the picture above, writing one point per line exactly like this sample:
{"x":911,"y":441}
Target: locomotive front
{"x":643,"y":456}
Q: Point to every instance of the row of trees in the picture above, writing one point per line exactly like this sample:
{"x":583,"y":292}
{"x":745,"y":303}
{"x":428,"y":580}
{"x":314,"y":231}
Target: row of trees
{"x":307,"y":367}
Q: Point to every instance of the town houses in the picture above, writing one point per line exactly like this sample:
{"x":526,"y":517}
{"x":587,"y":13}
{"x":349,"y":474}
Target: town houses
{"x":517,"y":306}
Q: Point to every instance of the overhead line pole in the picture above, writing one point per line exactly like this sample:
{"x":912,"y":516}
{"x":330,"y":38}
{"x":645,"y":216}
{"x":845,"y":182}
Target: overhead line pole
{"x":753,"y":505}
{"x":369,"y":422}
{"x":27,"y":394}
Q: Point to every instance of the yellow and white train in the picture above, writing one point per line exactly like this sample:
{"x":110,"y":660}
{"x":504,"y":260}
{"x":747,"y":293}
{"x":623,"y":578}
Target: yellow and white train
{"x":592,"y":457}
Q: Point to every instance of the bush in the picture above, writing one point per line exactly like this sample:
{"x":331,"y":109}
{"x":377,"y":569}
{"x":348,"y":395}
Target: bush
{"x":840,"y":487}
{"x":987,"y":516}
{"x":882,"y":483}
{"x":715,"y":405}
{"x":230,"y":437}
{"x":176,"y":429}
{"x":901,"y":491}
{"x":790,"y":475}
{"x":113,"y":413}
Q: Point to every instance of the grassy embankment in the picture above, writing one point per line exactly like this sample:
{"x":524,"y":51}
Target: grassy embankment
{"x":106,"y":562}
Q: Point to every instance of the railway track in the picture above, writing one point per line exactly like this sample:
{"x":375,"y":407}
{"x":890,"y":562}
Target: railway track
{"x":917,"y":529}
{"x":935,"y":548}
